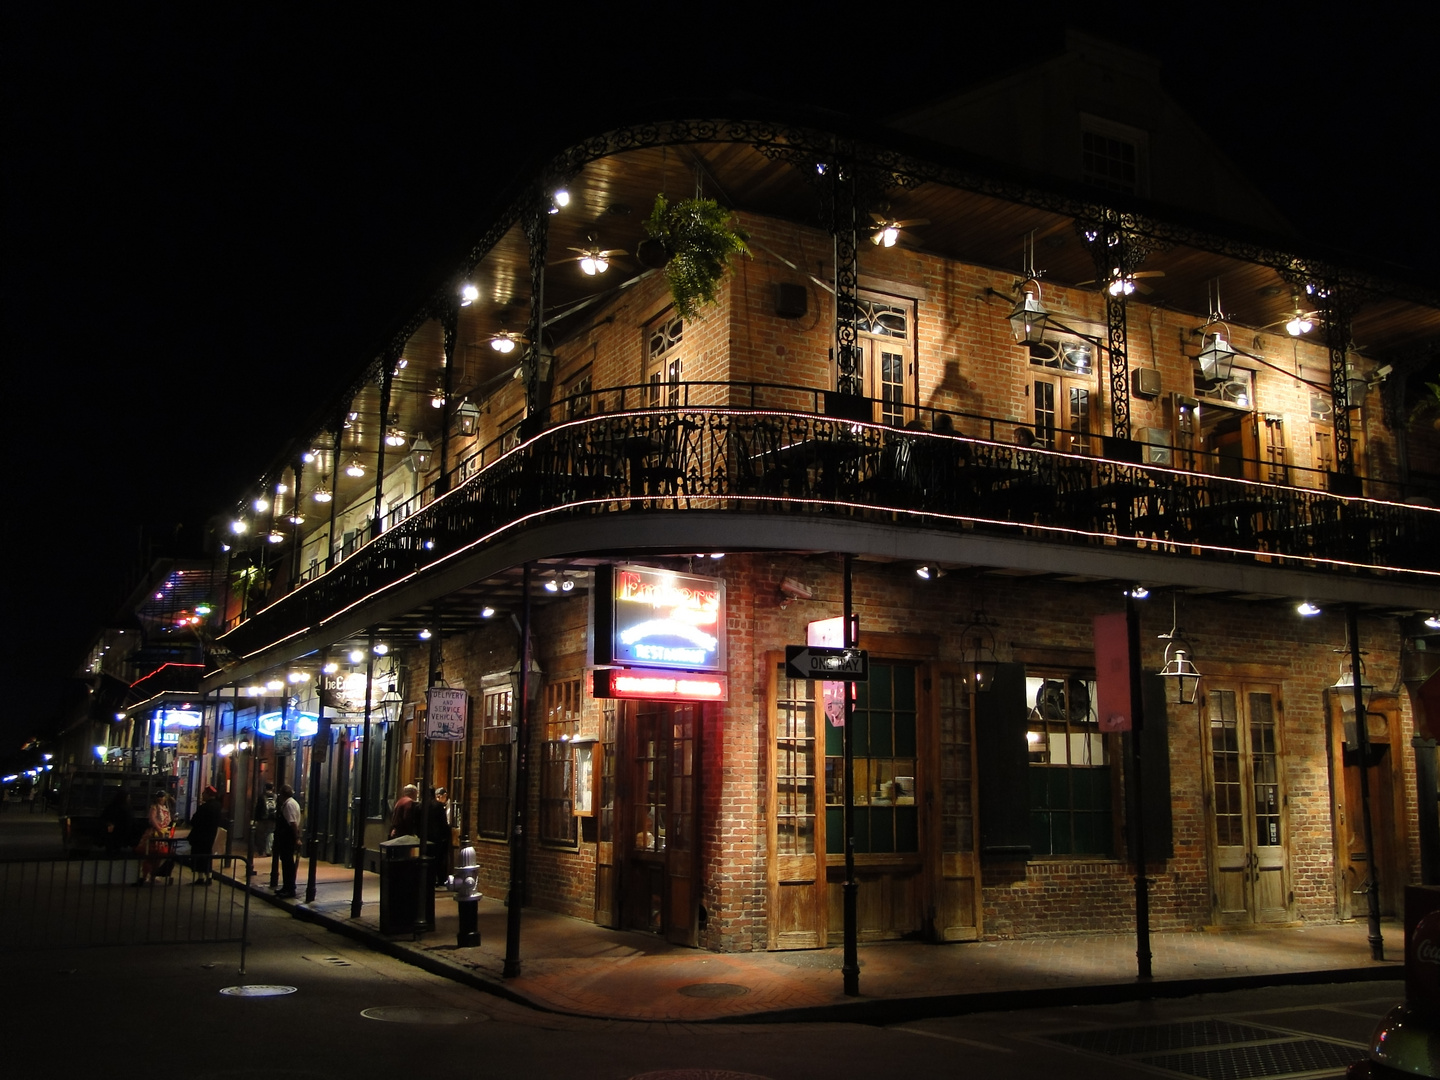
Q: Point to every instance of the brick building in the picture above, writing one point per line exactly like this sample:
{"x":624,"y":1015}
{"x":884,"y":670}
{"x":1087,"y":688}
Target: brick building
{"x":548,"y":445}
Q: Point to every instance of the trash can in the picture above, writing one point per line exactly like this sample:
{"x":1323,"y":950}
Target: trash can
{"x":401,"y":870}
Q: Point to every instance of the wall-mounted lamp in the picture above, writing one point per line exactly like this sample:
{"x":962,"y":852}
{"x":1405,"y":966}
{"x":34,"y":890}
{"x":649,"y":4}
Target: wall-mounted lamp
{"x":420,"y":454}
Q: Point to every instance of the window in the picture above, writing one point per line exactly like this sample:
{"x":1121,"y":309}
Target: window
{"x":884,"y":743}
{"x":1113,"y":156}
{"x":664,"y":366}
{"x":496,"y":741}
{"x":1070,"y":783}
{"x":887,"y":366}
{"x":796,"y":708}
{"x":1062,"y":414}
{"x":557,"y":763}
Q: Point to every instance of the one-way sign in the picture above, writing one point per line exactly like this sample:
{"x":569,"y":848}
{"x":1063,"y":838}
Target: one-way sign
{"x":829,"y":664}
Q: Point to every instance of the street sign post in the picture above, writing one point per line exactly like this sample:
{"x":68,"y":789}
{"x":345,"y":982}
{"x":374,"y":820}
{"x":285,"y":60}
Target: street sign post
{"x":828,"y":664}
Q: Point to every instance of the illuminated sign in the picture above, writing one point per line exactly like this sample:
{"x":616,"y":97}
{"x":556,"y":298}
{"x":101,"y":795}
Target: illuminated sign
{"x":656,"y":685}
{"x":299,"y":724}
{"x":647,"y":617}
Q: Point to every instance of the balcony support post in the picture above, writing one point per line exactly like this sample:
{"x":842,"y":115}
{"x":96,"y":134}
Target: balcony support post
{"x":450,"y":321}
{"x":845,"y":229}
{"x":1116,"y":253}
{"x":387,"y":378}
{"x":1337,"y":310}
{"x":536,"y":223}
{"x":336,"y":435}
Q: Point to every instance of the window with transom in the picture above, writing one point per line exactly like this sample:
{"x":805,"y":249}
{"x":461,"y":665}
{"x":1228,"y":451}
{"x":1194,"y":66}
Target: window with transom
{"x":664,"y":363}
{"x":496,"y":745}
{"x":557,"y":762}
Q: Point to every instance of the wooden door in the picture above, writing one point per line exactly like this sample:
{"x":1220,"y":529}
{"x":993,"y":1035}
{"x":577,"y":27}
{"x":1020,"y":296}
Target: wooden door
{"x":681,"y":896}
{"x":956,"y":898}
{"x":607,"y":880}
{"x":1250,"y":866}
{"x":1385,"y":774}
{"x":796,"y":866}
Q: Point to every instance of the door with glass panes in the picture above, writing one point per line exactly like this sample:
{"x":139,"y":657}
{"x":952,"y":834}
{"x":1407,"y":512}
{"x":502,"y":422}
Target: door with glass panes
{"x":1248,"y":831}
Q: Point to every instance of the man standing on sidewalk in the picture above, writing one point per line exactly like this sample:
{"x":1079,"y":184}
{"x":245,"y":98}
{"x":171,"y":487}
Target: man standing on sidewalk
{"x":287,"y":840}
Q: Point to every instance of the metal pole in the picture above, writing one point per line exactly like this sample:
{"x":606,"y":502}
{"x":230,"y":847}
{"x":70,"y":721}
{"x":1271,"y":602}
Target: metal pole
{"x":426,"y":888}
{"x":850,"y":967}
{"x":319,"y":751}
{"x":362,"y":813}
{"x":1362,"y":745}
{"x":521,"y":709}
{"x":1137,"y":724}
{"x":279,"y":781}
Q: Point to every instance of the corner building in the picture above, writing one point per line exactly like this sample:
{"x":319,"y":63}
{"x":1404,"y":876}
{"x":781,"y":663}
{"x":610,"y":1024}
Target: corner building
{"x":994,"y":485}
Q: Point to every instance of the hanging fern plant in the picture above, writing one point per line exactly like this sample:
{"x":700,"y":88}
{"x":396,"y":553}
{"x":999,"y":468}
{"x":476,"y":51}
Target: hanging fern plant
{"x":698,"y":239}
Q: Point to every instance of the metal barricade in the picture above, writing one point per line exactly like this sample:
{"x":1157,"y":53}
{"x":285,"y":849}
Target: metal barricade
{"x":91,"y":902}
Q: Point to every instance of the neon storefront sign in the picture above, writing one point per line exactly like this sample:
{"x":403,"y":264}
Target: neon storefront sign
{"x":300,"y":724}
{"x":651,"y":618}
{"x":656,"y":685}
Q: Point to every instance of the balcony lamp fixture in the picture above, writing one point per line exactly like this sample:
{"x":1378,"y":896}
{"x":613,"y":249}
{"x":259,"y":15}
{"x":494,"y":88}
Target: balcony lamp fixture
{"x":1217,"y":355}
{"x":309,"y":456}
{"x":381,"y":648}
{"x":274,"y":684}
{"x":239,"y":526}
{"x":487,"y":612}
{"x":468,"y":294}
{"x":437,"y":398}
{"x":1300,"y":323}
{"x":1028,"y":319}
{"x":295,"y":517}
{"x":1121,"y":284}
{"x":1433,"y":622}
{"x":929,"y":572}
{"x":281,"y":488}
{"x":1307,"y":609}
{"x":298,"y":676}
{"x":354,"y":468}
{"x":1138,"y":592}
{"x":425,"y":634}
{"x":275,"y":536}
{"x":331,"y":668}
{"x":559,"y":198}
{"x":1178,"y":665}
{"x":1344,"y":686}
{"x":357,"y":655}
{"x":468,"y":415}
{"x":322,"y":493}
{"x":420,"y":453}
{"x":261,"y":504}
{"x":977,"y":651}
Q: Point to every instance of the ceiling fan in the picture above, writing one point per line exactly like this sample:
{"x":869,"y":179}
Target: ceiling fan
{"x":886,"y":230}
{"x":1121,"y":284}
{"x":593,"y":259}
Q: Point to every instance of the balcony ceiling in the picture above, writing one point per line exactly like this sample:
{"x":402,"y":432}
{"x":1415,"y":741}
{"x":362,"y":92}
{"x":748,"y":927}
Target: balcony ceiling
{"x":612,"y":196}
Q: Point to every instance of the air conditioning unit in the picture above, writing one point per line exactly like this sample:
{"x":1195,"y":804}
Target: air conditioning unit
{"x":1145,"y":382}
{"x":1157,"y":446}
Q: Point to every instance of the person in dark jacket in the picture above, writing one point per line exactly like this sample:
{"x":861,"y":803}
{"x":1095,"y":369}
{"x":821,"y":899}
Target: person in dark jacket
{"x":115,"y":823}
{"x":437,"y":814}
{"x":204,"y":826}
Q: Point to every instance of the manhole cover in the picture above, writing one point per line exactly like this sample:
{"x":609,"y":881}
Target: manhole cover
{"x":258,"y":990}
{"x":714,"y":990}
{"x":697,"y":1074}
{"x":419,"y":1014}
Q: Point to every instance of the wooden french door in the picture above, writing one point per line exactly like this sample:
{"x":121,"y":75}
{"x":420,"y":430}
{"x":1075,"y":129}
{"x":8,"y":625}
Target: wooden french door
{"x":1248,"y":830}
{"x":796,"y":868}
{"x":957,"y":886}
{"x":1385,"y":769}
{"x":647,"y":875}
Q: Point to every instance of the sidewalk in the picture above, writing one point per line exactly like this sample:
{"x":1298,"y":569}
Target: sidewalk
{"x":574,"y":967}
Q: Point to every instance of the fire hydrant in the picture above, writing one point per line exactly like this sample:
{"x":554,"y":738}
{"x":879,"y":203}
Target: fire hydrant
{"x":463,"y":884}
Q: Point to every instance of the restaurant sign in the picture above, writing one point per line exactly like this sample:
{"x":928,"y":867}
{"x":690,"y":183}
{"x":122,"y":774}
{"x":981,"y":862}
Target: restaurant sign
{"x":645,"y":617}
{"x":652,"y":684}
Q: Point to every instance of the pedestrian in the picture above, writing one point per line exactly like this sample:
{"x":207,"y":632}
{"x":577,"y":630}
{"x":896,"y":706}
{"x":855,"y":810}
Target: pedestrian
{"x":287,"y":840}
{"x":437,"y":812}
{"x":154,"y":846}
{"x":115,"y":823}
{"x":204,"y":827}
{"x":263,"y":822}
{"x":405,"y":818}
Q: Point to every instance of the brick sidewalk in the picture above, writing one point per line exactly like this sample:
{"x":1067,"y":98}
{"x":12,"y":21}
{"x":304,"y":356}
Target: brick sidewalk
{"x":574,"y":967}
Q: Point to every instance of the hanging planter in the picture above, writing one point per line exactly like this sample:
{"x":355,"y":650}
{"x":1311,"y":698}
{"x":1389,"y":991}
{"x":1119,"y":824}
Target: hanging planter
{"x":696,"y":240}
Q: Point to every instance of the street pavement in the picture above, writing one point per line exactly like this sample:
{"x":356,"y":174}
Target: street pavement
{"x":572,"y":968}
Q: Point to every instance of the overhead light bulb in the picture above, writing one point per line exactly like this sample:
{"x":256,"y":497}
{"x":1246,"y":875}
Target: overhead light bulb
{"x":321,"y":495}
{"x":468,"y":294}
{"x":394,"y":437}
{"x":357,"y":655}
{"x":1307,"y":609}
{"x":487,"y":612}
{"x":355,"y":468}
{"x":588,"y":267}
{"x":552,"y":585}
{"x":276,"y":536}
{"x":559,"y":198}
{"x":1299,"y":325}
{"x":331,"y":668}
{"x":381,"y":648}
{"x":889,"y":235}
{"x":261,"y":505}
{"x":1433,"y":622}
{"x":425,"y":634}
{"x":503,"y":343}
{"x":239,"y":526}
{"x":437,"y":399}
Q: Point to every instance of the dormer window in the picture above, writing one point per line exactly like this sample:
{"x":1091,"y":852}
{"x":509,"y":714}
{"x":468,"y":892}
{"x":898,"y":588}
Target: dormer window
{"x":1113,"y":156}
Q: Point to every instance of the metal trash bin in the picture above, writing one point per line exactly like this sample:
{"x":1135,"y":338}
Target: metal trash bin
{"x":401,"y":870}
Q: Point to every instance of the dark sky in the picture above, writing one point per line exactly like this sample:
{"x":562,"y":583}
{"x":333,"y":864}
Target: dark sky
{"x":209,"y":218}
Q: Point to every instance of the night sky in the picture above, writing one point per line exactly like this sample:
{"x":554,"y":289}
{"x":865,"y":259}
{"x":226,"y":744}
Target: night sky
{"x":210,"y":219}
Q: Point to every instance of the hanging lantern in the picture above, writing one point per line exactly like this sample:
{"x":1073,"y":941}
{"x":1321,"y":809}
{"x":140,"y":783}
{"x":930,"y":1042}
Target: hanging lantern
{"x":1182,"y":671}
{"x":977,"y":652}
{"x":1216,"y":358}
{"x":468,"y":415}
{"x":1029,"y":318}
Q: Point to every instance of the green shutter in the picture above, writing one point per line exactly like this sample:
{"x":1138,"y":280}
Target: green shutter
{"x":1003,"y":760}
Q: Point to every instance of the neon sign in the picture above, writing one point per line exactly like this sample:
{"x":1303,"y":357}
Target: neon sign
{"x":301,"y":725}
{"x":648,"y":617}
{"x":656,"y":685}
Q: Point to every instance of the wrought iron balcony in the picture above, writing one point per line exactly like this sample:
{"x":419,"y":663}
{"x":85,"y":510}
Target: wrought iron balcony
{"x":781,"y":462}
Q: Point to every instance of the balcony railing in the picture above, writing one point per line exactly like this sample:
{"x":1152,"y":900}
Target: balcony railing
{"x":782,"y":462}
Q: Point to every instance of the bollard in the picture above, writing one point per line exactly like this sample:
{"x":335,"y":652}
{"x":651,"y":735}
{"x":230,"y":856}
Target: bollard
{"x":467,"y":897}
